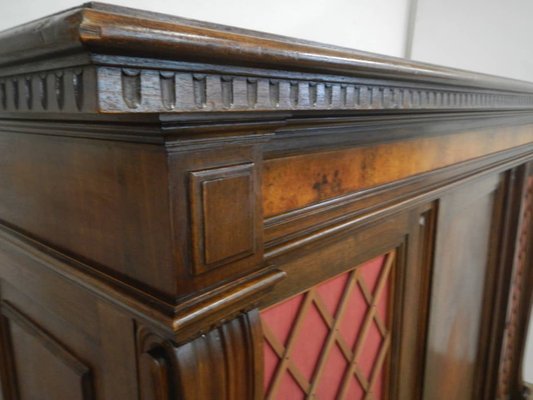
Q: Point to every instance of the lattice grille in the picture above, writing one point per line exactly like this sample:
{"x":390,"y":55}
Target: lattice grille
{"x":332,"y":341}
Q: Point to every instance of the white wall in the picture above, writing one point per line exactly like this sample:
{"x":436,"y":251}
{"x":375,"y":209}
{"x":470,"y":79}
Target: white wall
{"x":491,"y":36}
{"x":528,"y":359}
{"x":371,"y":25}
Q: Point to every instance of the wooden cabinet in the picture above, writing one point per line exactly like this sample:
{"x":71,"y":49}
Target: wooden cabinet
{"x":190,"y":211}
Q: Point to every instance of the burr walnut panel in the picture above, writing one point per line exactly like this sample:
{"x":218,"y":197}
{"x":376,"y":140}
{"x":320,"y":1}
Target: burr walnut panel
{"x":294,"y":182}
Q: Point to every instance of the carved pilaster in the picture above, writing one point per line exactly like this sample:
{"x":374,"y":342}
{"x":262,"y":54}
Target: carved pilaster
{"x":226,"y":363}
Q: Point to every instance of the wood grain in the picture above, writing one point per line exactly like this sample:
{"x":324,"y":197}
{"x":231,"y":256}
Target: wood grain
{"x":461,"y":273}
{"x":294,"y":182}
{"x":94,"y":189}
{"x":162,"y":180}
{"x":222,"y":201}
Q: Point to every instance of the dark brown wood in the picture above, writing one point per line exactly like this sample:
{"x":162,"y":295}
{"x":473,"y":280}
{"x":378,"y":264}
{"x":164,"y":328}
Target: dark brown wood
{"x":223,"y":200}
{"x":140,"y":33}
{"x":233,"y":350}
{"x":44,"y":368}
{"x":101,"y":224}
{"x":461,"y":273}
{"x":165,"y":181}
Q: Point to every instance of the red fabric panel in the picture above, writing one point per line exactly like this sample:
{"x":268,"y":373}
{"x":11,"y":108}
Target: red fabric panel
{"x":308,"y":368}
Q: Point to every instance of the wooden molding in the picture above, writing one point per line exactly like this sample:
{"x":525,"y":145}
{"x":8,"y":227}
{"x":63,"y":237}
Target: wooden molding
{"x":142,"y":90}
{"x":110,"y":59}
{"x":62,"y":90}
{"x":510,"y":359}
{"x":147,"y":90}
{"x":195,"y":317}
{"x":112,"y":30}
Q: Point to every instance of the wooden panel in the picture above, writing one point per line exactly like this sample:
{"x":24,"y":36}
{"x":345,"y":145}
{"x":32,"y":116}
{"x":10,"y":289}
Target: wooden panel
{"x":44,"y":369}
{"x":104,"y":202}
{"x":69,"y":306}
{"x":409,"y":233}
{"x":217,"y":214}
{"x":222,"y":209}
{"x":294,"y":182}
{"x":461,"y":269}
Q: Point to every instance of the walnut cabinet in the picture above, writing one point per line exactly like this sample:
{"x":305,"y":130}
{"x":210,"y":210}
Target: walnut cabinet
{"x":193,"y":211}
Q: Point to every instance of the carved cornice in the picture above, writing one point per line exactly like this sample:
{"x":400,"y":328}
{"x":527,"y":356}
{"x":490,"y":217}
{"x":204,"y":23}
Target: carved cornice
{"x":136,"y":90}
{"x":63,"y":90}
{"x":112,"y":90}
{"x":96,"y":28}
{"x":103,"y":59}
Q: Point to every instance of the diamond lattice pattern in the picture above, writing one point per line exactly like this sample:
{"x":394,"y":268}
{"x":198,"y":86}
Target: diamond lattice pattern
{"x":332,"y":341}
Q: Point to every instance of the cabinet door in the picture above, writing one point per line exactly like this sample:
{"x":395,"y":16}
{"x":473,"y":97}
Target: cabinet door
{"x":348,"y":321}
{"x":467,"y":225}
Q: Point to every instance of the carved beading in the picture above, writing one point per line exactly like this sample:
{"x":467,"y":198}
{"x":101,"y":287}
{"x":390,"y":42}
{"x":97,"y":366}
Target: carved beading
{"x":126,"y":90}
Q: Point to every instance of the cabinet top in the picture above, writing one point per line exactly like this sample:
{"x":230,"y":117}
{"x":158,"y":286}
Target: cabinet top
{"x":118,"y":30}
{"x":100,"y":34}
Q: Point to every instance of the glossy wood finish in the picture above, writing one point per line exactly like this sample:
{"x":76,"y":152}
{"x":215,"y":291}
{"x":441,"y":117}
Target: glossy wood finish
{"x":99,"y":226}
{"x":234,"y":187}
{"x":64,"y":375}
{"x":461,"y":271}
{"x":164,"y":181}
{"x":298,"y":181}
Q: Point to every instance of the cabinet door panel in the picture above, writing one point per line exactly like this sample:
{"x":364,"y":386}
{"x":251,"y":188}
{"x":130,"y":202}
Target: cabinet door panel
{"x":349,"y":320}
{"x":461,"y":268}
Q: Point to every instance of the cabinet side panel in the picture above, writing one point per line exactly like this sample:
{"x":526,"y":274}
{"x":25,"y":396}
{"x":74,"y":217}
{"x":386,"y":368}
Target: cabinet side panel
{"x":103,"y":202}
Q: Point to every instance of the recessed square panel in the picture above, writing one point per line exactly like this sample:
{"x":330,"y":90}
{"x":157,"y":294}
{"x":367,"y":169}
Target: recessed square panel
{"x":222,"y":215}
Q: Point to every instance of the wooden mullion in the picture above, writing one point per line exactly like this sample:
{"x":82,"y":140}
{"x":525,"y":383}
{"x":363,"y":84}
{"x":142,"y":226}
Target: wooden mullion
{"x":331,"y":339}
{"x":358,"y":347}
{"x":273,"y":341}
{"x":377,"y":366}
{"x":344,"y":347}
{"x":366,"y":324}
{"x":323,"y":311}
{"x":285,"y":360}
{"x":370,"y":301}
